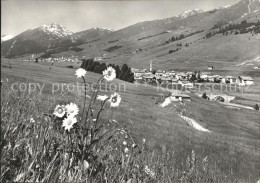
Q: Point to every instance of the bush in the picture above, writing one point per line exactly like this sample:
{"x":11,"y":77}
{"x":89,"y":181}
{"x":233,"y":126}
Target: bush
{"x":70,"y":66}
{"x":76,"y":49}
{"x":112,"y":41}
{"x":204,"y":96}
{"x":112,"y":48}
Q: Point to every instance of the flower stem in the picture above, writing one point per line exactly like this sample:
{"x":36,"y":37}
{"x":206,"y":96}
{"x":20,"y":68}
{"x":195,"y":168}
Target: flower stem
{"x":92,"y":98}
{"x":85,"y":97}
{"x":101,"y":109}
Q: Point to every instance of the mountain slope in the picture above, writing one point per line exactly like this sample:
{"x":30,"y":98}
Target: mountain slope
{"x":49,"y":37}
{"x":140,"y":43}
{"x":6,"y":37}
{"x":79,"y":38}
{"x":33,"y":40}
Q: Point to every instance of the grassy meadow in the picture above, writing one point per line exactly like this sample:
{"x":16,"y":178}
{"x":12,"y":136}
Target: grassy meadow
{"x":138,"y":141}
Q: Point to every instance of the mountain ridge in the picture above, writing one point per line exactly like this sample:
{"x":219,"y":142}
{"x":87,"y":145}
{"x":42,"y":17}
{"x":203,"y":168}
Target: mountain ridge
{"x":154,"y":39}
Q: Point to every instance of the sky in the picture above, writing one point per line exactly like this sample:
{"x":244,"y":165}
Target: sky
{"x":20,"y":15}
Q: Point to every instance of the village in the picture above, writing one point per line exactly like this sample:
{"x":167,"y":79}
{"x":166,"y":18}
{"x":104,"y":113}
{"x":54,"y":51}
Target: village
{"x":151,"y":76}
{"x":52,"y":59}
{"x":187,"y":79}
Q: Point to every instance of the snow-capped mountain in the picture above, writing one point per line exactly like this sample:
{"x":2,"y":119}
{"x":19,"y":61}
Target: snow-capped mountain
{"x":81,"y":37}
{"x":34,"y":40}
{"x":189,"y":13}
{"x":53,"y":36}
{"x":56,"y":29}
{"x":6,"y":37}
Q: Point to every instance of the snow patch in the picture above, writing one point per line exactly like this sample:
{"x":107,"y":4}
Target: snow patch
{"x":249,"y":3}
{"x":194,"y":124}
{"x":6,"y":37}
{"x":189,"y":13}
{"x":166,"y":102}
{"x":245,"y":14}
{"x":227,"y":6}
{"x":103,"y":29}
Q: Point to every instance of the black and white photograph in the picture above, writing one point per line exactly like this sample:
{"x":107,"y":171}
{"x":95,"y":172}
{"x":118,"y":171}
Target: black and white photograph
{"x":130,"y":91}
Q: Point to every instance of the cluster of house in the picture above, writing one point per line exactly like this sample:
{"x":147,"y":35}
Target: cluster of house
{"x":144,"y":76}
{"x":240,"y":80}
{"x":184,"y":78}
{"x":59,"y":59}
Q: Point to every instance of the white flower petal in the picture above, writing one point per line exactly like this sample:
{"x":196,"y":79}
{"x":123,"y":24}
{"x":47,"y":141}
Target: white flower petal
{"x":72,"y":109}
{"x":102,"y":97}
{"x":109,"y":73}
{"x":80,"y":72}
{"x":59,"y":111}
{"x":69,"y":122}
{"x":115,"y":100}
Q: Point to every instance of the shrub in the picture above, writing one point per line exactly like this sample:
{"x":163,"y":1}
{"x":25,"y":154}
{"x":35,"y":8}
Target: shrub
{"x":76,"y":49}
{"x":112,"y":41}
{"x":204,"y":96}
{"x":112,"y":48}
{"x":70,"y":66}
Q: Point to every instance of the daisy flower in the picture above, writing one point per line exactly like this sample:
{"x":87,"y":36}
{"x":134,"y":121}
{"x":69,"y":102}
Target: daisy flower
{"x":32,"y":120}
{"x":125,"y":143}
{"x":72,"y":109}
{"x":85,"y":164}
{"x":126,"y":150}
{"x":59,"y":111}
{"x":134,"y":145}
{"x":102,"y":98}
{"x":69,"y":122}
{"x":109,"y":73}
{"x":80,"y":72}
{"x":115,"y":100}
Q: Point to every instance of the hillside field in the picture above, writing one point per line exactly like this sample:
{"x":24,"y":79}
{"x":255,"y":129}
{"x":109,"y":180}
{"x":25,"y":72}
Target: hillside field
{"x":232,"y":146}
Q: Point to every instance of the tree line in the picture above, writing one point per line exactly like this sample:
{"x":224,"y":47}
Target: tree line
{"x":124,"y":72}
{"x":240,"y":28}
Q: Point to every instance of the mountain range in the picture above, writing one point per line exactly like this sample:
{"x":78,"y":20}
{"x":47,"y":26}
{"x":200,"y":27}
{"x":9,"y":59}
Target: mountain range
{"x":200,"y":37}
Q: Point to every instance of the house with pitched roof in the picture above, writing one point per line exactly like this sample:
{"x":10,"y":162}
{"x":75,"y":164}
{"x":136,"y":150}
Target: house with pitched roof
{"x":179,"y":96}
{"x":149,"y":78}
{"x":245,"y":80}
{"x":166,"y":79}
